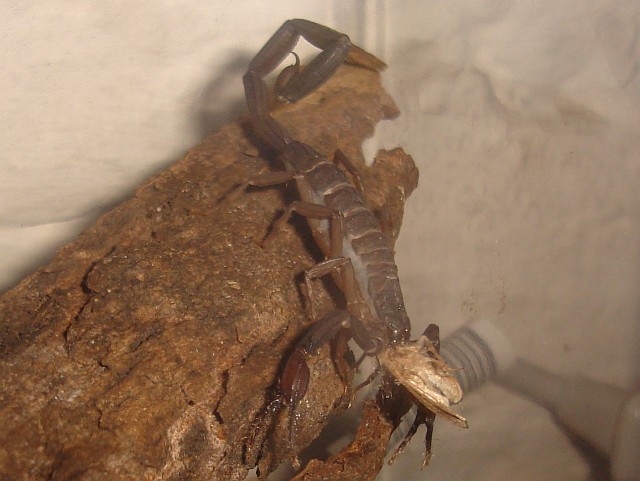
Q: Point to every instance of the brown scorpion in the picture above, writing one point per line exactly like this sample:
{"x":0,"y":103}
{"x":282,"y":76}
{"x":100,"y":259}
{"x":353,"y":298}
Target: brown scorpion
{"x":348,"y":233}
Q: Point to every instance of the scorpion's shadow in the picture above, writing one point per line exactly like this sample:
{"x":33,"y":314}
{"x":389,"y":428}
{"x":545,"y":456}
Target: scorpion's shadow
{"x":208,"y":114}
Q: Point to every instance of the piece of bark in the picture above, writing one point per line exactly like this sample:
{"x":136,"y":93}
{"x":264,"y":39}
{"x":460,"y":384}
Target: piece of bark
{"x":362,"y":459}
{"x":147,"y":348}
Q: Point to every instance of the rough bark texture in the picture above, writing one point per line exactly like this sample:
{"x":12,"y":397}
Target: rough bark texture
{"x":148,"y":347}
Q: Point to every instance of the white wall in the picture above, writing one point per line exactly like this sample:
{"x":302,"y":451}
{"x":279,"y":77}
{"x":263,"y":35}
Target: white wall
{"x":522,"y":116}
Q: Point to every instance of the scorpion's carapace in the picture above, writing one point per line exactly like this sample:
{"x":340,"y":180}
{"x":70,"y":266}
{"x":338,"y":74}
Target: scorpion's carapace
{"x":349,"y":234}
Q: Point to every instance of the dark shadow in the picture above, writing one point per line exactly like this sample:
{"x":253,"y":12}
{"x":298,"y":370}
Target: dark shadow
{"x":208,"y":113}
{"x":599,"y":465}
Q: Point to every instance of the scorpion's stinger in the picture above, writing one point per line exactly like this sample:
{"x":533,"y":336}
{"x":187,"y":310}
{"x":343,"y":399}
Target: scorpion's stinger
{"x":336,"y":49}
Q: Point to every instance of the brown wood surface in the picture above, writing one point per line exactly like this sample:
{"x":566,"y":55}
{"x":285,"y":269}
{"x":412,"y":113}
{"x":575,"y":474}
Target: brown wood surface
{"x":147,"y":348}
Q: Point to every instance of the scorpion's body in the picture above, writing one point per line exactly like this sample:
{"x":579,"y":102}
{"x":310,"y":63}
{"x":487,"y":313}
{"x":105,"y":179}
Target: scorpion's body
{"x":344,"y":227}
{"x":323,"y":183}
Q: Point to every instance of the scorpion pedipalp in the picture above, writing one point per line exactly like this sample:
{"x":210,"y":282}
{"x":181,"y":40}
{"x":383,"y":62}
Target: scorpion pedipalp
{"x":294,"y":380}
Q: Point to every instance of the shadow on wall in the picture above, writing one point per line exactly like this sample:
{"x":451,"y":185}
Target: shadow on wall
{"x":213,"y":105}
{"x":209,"y":114}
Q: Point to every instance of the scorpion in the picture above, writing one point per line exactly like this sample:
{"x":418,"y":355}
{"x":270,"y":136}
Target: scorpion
{"x":357,"y":253}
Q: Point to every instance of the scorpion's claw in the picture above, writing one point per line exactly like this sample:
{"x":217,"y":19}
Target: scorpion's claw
{"x":293,"y":385}
{"x":294,"y":381}
{"x":295,"y":378}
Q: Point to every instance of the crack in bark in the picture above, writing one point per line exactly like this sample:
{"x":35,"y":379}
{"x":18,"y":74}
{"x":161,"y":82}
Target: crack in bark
{"x":84,"y":286}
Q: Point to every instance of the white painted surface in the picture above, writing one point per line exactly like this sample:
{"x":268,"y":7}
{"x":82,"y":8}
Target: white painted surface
{"x":522,"y":116}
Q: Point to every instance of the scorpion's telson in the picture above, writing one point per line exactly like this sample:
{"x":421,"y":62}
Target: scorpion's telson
{"x":346,"y":230}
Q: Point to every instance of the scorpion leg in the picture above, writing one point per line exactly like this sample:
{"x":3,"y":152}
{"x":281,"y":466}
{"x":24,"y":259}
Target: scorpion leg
{"x":295,"y":375}
{"x":369,"y":341}
{"x":264,"y":179}
{"x":343,"y":364}
{"x":324,"y":268}
{"x":423,"y":416}
{"x":306,"y":209}
{"x":314,"y":211}
{"x":352,"y":168}
{"x":355,"y":306}
{"x":336,"y":262}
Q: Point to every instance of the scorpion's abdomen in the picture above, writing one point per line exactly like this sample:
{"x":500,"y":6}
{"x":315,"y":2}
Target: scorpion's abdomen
{"x":372,"y":258}
{"x":363,"y":242}
{"x":384,"y":287}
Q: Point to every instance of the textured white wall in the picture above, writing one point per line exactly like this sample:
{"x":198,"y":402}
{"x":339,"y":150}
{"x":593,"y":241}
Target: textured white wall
{"x":522,"y":116}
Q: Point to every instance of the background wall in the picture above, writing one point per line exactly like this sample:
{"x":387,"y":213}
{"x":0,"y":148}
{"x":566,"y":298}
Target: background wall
{"x":522,"y":117}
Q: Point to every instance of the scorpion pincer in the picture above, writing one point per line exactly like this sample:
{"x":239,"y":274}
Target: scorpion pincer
{"x":348,"y":233}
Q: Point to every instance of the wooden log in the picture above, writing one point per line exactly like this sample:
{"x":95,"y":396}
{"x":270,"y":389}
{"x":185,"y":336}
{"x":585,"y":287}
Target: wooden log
{"x":147,"y":348}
